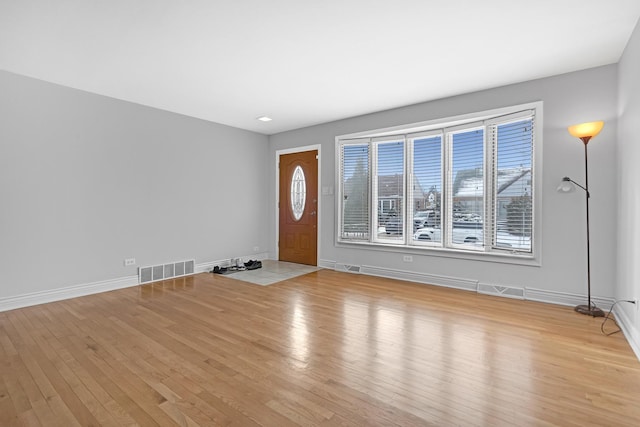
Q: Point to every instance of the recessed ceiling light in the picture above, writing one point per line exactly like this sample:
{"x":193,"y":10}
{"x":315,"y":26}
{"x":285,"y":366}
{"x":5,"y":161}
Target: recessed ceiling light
{"x":265,"y":119}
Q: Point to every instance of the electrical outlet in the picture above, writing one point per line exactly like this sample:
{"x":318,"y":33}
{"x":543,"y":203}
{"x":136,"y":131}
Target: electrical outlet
{"x":407,"y":258}
{"x":256,"y":248}
{"x":129,"y":261}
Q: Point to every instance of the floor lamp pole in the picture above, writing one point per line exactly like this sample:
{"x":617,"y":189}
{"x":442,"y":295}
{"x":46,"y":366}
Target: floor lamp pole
{"x":586,"y":131}
{"x":589,"y":309}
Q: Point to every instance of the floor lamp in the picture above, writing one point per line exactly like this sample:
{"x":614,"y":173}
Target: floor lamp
{"x":584,"y":131}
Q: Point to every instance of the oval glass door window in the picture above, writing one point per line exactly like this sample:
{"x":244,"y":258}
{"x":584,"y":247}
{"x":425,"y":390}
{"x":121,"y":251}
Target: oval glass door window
{"x":298,"y":193}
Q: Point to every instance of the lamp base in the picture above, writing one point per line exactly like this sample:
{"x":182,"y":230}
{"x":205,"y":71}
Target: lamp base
{"x":591,"y":311}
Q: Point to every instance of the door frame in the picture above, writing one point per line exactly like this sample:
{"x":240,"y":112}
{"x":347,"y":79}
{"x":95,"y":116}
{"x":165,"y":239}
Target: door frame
{"x":277,"y":195}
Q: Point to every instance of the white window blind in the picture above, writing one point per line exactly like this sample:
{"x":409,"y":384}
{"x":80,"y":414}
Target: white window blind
{"x":465,"y":214}
{"x":354,"y":185}
{"x":390,"y":191}
{"x":512,"y":185}
{"x":426,"y":189}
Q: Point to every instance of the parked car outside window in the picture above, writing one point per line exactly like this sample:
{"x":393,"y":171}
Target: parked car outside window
{"x":428,"y":218}
{"x":459,"y":236}
{"x":394,"y":225}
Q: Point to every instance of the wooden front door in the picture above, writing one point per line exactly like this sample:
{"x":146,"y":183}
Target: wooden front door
{"x":298,"y":207}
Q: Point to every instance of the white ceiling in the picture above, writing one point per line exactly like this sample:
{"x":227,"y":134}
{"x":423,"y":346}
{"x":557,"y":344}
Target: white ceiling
{"x":304,"y":62}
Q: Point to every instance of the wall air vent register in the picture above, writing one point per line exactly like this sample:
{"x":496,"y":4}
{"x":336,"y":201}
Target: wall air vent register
{"x":172,"y":270}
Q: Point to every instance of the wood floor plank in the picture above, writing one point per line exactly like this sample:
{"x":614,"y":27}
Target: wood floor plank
{"x":141,"y":401}
{"x":323,"y":349}
{"x":29,"y":419}
{"x":8,"y":412}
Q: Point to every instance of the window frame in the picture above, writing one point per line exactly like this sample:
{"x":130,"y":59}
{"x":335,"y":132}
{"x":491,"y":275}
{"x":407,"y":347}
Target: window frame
{"x":340,"y":187}
{"x":447,"y":238}
{"x":492,"y":179}
{"x":374,"y":196}
{"x":410,"y":141}
{"x":489,"y":251}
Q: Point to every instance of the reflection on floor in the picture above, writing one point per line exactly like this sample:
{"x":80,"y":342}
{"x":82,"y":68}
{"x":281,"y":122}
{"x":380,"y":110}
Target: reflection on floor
{"x":273,"y":272}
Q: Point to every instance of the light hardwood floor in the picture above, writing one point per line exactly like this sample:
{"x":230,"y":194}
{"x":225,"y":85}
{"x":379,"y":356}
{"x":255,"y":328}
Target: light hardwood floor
{"x":327,"y":348}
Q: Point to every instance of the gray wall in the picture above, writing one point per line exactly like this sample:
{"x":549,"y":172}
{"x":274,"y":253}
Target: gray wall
{"x":628,"y":171}
{"x":568,"y":99}
{"x":87,"y":181}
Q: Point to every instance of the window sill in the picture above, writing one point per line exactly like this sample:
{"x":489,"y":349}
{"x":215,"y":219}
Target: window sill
{"x":468,"y":255}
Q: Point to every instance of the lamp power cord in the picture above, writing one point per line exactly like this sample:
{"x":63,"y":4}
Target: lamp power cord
{"x":608,"y":317}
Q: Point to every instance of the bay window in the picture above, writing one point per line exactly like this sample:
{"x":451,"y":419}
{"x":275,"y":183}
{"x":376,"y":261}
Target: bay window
{"x":456,"y":185}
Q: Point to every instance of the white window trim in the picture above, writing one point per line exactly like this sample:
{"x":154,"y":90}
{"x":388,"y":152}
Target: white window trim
{"x":410,"y":131}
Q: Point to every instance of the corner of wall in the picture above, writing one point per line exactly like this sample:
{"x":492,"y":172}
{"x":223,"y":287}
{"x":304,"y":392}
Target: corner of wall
{"x":628,"y":329}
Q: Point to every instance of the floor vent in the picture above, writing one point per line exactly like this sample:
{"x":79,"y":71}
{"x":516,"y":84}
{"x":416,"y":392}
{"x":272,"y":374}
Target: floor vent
{"x":503,"y":291}
{"x":166,"y":271}
{"x":348,"y":268}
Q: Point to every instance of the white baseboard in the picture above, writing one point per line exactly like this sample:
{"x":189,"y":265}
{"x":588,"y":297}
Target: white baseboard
{"x":631,"y":333}
{"x":564,"y":298}
{"x":325,"y":263}
{"x":429,"y":279}
{"x":507,"y":291}
{"x":35,"y":298}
